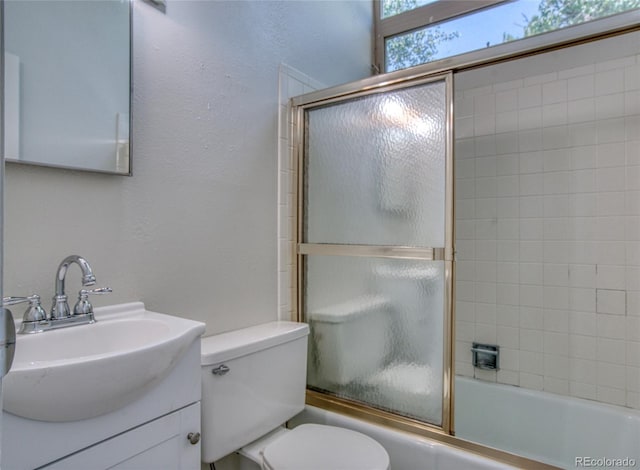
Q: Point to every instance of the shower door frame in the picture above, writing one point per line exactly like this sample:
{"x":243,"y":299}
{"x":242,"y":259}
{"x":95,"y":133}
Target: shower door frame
{"x":446,"y":254}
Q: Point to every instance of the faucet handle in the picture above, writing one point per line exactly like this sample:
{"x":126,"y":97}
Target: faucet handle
{"x":98,"y":291}
{"x":6,"y":301}
{"x":83,"y":306}
{"x":34,"y":312}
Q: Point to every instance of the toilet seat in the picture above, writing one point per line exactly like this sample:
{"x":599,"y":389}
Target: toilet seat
{"x":321,"y":447}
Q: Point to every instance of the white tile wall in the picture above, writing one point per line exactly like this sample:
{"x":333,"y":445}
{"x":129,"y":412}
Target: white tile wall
{"x":548,"y":220}
{"x":292,"y":83}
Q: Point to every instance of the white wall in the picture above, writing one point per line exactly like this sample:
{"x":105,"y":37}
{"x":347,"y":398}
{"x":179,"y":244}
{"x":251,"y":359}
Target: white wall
{"x":548,"y":220}
{"x":194,"y":231}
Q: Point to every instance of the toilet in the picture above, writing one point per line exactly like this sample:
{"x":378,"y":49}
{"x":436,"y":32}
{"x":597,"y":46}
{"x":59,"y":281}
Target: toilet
{"x":253,"y":381}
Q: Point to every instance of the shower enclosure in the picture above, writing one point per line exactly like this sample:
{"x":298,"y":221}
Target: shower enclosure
{"x":375,"y":247}
{"x":547,"y":249}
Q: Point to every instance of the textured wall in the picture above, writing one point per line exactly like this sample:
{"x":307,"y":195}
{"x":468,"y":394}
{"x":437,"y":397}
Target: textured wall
{"x":193,"y":232}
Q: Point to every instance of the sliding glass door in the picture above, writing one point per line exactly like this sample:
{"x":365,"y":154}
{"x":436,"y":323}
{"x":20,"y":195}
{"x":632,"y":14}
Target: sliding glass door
{"x":375,"y":248}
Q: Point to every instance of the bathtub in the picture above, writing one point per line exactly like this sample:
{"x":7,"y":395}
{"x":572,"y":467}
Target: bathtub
{"x":406,"y":451}
{"x":546,"y":427}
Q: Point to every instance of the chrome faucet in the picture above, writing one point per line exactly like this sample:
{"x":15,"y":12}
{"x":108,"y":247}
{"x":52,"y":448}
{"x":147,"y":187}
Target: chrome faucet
{"x":60,"y":307}
{"x":35,"y":319}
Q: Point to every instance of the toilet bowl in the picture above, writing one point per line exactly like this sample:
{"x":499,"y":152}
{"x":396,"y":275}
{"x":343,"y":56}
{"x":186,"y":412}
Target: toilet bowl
{"x":253,"y":381}
{"x":413,"y":390}
{"x":415,"y":290}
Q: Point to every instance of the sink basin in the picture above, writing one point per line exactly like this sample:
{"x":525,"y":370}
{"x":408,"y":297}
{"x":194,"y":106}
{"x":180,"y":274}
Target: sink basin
{"x":86,"y":371}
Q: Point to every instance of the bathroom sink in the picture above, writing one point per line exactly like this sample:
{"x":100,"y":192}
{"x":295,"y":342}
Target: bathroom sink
{"x":86,"y":371}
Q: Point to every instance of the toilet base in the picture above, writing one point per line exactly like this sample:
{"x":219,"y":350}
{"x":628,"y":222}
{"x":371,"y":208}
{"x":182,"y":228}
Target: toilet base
{"x":233,"y":461}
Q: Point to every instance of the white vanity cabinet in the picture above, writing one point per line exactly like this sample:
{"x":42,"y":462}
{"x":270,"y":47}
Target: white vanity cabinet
{"x":161,"y":444}
{"x":149,"y":432}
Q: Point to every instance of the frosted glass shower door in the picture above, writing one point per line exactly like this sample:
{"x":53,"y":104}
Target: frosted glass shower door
{"x":374,"y":250}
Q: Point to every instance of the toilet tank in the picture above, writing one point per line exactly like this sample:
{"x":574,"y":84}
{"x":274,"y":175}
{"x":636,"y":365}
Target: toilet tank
{"x":253,"y":380}
{"x":350,"y":341}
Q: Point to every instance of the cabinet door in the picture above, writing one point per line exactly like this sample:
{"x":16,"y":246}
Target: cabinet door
{"x":160,"y":444}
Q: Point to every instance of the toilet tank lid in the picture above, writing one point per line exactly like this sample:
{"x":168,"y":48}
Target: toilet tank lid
{"x":238,"y":343}
{"x":349,"y":310}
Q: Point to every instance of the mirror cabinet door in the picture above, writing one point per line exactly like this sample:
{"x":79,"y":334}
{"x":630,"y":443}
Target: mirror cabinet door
{"x":67,"y":84}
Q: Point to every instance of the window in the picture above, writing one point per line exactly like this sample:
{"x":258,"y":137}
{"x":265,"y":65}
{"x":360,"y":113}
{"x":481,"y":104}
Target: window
{"x":394,"y":7}
{"x":412,"y":32}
